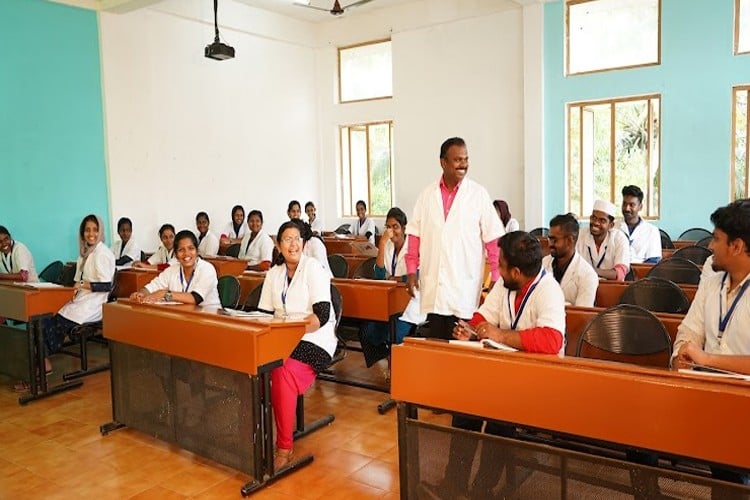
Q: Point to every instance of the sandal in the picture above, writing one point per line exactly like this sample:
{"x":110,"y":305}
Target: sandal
{"x":21,"y":386}
{"x":282,"y":458}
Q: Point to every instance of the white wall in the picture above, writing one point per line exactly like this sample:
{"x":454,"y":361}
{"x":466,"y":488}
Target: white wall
{"x":186,"y":133}
{"x":457,"y":71}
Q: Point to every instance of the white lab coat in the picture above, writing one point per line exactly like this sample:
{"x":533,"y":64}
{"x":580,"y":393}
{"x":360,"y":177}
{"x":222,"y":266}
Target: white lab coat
{"x":209,"y":245}
{"x":512,"y":225}
{"x":19,"y":259}
{"x":579,"y":283}
{"x":412,"y":313}
{"x":452,"y":250}
{"x":131,"y":250}
{"x":316,"y":249}
{"x":708,"y":269}
{"x":229,"y":231}
{"x":317,"y":225}
{"x":645,"y":241}
{"x":361,"y":229}
{"x":162,"y":256}
{"x":99,"y":268}
{"x":259,"y":250}
{"x":203,"y":282}
{"x":615,"y":249}
{"x":310,"y":285}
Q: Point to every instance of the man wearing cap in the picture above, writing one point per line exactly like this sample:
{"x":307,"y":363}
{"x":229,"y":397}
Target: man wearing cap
{"x":644,"y":238}
{"x":607,"y":249}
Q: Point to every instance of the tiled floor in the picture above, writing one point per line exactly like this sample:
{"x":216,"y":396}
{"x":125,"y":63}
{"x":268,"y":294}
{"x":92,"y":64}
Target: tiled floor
{"x":53,"y":449}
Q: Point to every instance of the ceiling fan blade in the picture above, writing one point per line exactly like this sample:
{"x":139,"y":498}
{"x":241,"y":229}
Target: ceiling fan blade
{"x":357,"y":4}
{"x":310,"y":7}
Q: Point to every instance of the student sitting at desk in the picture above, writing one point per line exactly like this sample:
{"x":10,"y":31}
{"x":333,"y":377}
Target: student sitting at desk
{"x":208,"y":242}
{"x":503,"y":211}
{"x":297,"y":286}
{"x":16,"y":262}
{"x":607,"y":249}
{"x":125,"y":249}
{"x":256,"y":247}
{"x":644,"y":238}
{"x":190,"y":280}
{"x":164,"y":255}
{"x":95,"y":270}
{"x":293,"y":210}
{"x":316,"y":224}
{"x":236,"y":228}
{"x":363,"y":225}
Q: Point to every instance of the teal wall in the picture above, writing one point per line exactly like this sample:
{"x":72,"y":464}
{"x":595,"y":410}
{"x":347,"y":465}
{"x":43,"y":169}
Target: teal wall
{"x":695,"y":79}
{"x":52,"y":165}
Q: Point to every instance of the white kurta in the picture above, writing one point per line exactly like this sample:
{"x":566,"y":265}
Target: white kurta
{"x":209,"y":245}
{"x":309,"y":286}
{"x":162,"y":256}
{"x":615,"y":249}
{"x":131,"y":250}
{"x":203,"y":282}
{"x":412,"y":313}
{"x":579,"y":283}
{"x":317,"y":225}
{"x":19,"y":259}
{"x":316,"y":249}
{"x":99,"y":268}
{"x":255,"y":252}
{"x":361,"y":229}
{"x":701,"y":323}
{"x":451,"y":268}
{"x":229,"y":231}
{"x":545,"y":307}
{"x":645,"y":241}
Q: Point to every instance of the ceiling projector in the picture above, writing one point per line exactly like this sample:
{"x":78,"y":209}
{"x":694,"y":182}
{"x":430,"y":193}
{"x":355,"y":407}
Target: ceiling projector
{"x":219,"y":51}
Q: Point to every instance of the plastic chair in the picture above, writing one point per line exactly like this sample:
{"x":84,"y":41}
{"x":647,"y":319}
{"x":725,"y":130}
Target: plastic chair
{"x":233,"y":250}
{"x":627,"y":334}
{"x":539,"y":231}
{"x":366,"y":269}
{"x":656,"y":295}
{"x":695,"y":254}
{"x":339,"y":266}
{"x":666,"y":240}
{"x":694,"y":234}
{"x":704,"y":242}
{"x":68,"y":275}
{"x":677,"y":270}
{"x":229,"y":291}
{"x":253,"y":298}
{"x":343,"y":229}
{"x":51,"y":273}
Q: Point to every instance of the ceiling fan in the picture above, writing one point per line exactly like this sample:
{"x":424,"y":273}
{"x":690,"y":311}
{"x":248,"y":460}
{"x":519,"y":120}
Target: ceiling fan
{"x":336,"y":10}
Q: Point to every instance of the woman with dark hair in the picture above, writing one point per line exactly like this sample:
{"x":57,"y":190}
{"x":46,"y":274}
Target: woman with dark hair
{"x":236,"y":228}
{"x":16,"y":262}
{"x":164,"y":255}
{"x":297,"y":287}
{"x":293,"y":210}
{"x":313,"y":245}
{"x":364,"y":226}
{"x":503,"y":211}
{"x":256,"y":247}
{"x":190,"y":280}
{"x":316,"y":224}
{"x":208,"y":242}
{"x":125,"y":249}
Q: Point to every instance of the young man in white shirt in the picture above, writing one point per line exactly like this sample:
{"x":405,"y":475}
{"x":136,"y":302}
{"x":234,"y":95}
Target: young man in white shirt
{"x":644,"y":238}
{"x":607,"y":249}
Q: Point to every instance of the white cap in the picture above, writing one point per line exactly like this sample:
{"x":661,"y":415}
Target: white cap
{"x":606,"y":207}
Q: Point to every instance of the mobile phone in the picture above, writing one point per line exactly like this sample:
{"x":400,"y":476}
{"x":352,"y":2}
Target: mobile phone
{"x":469,"y":329}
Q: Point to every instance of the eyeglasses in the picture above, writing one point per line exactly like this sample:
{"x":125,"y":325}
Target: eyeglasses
{"x":291,"y":239}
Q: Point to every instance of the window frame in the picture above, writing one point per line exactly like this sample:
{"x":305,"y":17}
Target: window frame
{"x":568,"y":3}
{"x":338,"y":69}
{"x":613,"y":158}
{"x":733,"y":159}
{"x":366,"y":125}
{"x":737,"y":50}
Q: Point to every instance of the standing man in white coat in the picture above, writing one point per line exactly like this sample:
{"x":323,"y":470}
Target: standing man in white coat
{"x":576,"y":277}
{"x":452,"y":223}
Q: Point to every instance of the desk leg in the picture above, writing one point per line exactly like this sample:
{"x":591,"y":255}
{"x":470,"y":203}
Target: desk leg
{"x":389,"y":403}
{"x":305,"y":429}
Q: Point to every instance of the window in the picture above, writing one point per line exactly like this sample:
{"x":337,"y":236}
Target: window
{"x":365,"y":72}
{"x":741,"y":26}
{"x":367,"y":167}
{"x":740,"y":149}
{"x":612,"y":144}
{"x":611,"y":34}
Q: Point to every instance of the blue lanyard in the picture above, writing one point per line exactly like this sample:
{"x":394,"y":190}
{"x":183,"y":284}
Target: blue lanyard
{"x":591,"y":257}
{"x":285,"y":288}
{"x":393,"y":262}
{"x":514,"y":322}
{"x":168,"y":255}
{"x":182,"y":280}
{"x":9,"y":270}
{"x":724,"y":320}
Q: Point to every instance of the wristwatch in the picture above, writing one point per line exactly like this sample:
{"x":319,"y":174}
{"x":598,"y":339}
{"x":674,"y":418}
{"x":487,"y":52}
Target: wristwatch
{"x":168,"y":296}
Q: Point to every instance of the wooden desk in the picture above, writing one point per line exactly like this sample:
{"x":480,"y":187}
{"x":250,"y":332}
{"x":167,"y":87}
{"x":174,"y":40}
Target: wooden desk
{"x":132,"y":280}
{"x":248,"y":281}
{"x":640,"y":271}
{"x":609,"y":292}
{"x":625,"y":405}
{"x":227,"y":265}
{"x":22,"y":351}
{"x":683,"y":243}
{"x":373,"y":300}
{"x":191,"y":376}
{"x":358,"y":245}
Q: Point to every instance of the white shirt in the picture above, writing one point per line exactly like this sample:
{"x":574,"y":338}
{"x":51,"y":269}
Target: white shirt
{"x":545,"y":307}
{"x":229,"y":230}
{"x":18,"y":259}
{"x":412,"y":313}
{"x":209,"y":245}
{"x":362,"y":228}
{"x":701,"y":324}
{"x":579,"y":283}
{"x":451,"y":268}
{"x":255,"y":252}
{"x":162,"y":256}
{"x":203,"y":282}
{"x":310,"y":285}
{"x":512,"y":225}
{"x":708,"y":269}
{"x":317,"y":225}
{"x":316,"y":249}
{"x":131,"y":250}
{"x":645,"y":241}
{"x":99,"y":268}
{"x":615,"y":249}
